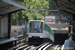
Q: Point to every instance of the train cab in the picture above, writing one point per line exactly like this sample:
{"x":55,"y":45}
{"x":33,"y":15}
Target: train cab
{"x":35,"y":31}
{"x":36,"y":27}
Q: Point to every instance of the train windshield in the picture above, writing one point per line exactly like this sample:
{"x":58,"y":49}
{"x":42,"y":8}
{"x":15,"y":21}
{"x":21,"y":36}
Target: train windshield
{"x":36,"y":27}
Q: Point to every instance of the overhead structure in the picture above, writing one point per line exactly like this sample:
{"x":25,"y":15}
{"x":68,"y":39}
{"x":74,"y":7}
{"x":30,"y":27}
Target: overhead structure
{"x":7,"y":6}
{"x":66,"y":5}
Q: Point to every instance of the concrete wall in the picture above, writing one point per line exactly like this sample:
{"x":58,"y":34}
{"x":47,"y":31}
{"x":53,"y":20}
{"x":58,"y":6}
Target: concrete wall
{"x":5,"y":26}
{"x":60,"y":19}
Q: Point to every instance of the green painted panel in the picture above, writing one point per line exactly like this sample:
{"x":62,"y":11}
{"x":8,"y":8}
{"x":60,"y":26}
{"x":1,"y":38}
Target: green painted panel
{"x":47,"y":28}
{"x":43,"y":26}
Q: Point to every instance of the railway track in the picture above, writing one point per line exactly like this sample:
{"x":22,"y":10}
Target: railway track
{"x":59,"y":47}
{"x":53,"y":47}
{"x":25,"y":47}
{"x":44,"y":46}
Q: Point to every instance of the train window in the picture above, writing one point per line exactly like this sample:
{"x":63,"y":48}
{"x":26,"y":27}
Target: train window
{"x":36,"y":27}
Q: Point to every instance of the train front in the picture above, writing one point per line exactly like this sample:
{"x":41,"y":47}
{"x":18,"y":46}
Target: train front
{"x":35,"y":32}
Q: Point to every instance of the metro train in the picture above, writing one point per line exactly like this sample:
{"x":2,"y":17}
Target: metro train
{"x":39,"y":32}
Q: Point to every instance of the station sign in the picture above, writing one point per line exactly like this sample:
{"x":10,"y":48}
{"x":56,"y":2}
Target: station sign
{"x":50,"y":19}
{"x":15,"y":31}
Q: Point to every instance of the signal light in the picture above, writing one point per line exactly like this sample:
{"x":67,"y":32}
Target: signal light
{"x":69,"y":18}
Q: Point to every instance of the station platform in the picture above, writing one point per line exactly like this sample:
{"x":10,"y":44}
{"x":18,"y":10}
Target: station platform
{"x":68,"y":45}
{"x":7,"y":43}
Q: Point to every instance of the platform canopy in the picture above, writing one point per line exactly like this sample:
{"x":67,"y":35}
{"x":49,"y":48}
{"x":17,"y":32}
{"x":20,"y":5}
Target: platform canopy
{"x":7,"y":6}
{"x":66,"y":5}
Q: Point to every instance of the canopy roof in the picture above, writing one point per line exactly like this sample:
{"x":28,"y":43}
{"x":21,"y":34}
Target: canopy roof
{"x":7,"y":6}
{"x":66,"y":5}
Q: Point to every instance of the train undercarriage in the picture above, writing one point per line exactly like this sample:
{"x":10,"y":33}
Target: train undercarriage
{"x":38,"y":40}
{"x":58,"y":39}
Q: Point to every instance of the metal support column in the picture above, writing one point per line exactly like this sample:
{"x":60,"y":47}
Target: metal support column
{"x":74,"y":23}
{"x":73,"y":34}
{"x":9,"y":24}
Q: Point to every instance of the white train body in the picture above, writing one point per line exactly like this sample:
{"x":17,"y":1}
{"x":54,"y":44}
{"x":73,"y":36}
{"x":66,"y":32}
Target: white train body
{"x":39,"y":34}
{"x":39,"y":31}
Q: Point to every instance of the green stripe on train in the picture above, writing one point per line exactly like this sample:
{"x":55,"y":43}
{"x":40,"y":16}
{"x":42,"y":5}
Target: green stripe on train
{"x":47,"y":28}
